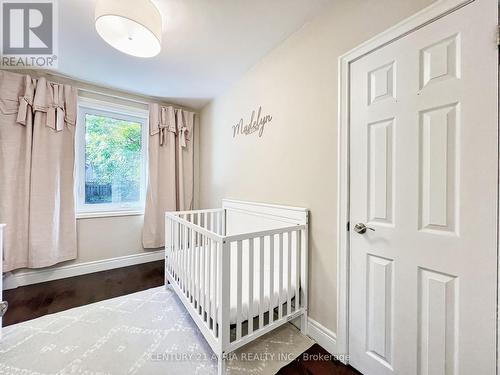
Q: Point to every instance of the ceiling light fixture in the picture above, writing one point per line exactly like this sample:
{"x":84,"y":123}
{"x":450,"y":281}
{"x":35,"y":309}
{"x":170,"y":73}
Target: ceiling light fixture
{"x":130,"y":26}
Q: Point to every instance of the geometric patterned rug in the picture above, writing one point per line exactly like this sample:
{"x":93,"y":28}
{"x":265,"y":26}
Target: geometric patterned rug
{"x":148,"y":333}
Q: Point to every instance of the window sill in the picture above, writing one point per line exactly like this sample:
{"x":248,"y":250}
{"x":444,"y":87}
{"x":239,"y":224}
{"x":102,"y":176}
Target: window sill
{"x":92,"y":215}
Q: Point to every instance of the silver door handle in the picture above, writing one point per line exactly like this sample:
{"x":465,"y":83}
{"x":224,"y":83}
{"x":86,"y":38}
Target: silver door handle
{"x":4,"y":305}
{"x":361,"y":228}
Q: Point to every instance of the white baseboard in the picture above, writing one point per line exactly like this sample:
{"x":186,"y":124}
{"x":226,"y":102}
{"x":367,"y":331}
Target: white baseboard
{"x":14,"y":280}
{"x":322,"y":335}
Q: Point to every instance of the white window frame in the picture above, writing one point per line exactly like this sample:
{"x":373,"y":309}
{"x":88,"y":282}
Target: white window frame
{"x":118,"y":111}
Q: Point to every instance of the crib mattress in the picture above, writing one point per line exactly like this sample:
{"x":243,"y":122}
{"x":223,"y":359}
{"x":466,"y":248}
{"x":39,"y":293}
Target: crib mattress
{"x":271,"y":298}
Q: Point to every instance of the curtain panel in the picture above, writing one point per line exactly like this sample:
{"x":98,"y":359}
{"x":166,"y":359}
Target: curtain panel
{"x":52,"y":225}
{"x":171,"y":165}
{"x":16,"y":131}
{"x":37,"y":129}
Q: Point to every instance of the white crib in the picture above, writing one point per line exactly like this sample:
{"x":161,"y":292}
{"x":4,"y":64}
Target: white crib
{"x":240,"y":271}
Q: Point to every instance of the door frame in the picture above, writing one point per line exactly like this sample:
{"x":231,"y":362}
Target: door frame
{"x":424,"y":17}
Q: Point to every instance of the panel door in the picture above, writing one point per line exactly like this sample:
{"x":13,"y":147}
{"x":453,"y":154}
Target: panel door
{"x":424,"y":161}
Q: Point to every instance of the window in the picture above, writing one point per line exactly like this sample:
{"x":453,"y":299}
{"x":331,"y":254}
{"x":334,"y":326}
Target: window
{"x":110,"y":158}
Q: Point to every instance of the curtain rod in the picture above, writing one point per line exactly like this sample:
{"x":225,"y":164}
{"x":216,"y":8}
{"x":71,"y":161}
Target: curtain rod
{"x":97,"y":92}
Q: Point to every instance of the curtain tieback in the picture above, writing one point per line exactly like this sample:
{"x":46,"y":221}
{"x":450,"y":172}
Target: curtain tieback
{"x":163,"y":130}
{"x":24,"y":103}
{"x":55,"y":117}
{"x":183,"y":136}
{"x":162,"y":136}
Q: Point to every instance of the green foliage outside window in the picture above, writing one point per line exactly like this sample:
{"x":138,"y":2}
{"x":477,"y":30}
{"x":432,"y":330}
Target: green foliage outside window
{"x":112,"y":160}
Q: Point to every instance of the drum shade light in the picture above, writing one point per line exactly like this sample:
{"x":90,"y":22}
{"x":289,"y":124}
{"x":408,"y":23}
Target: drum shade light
{"x":131,"y":26}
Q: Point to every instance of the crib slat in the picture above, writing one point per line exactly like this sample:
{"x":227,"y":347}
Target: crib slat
{"x":181,"y":255}
{"x":198,"y":272}
{"x":280,"y":276}
{"x":302,"y":265}
{"x":175,"y":253}
{"x":171,"y":253}
{"x":202,"y":276}
{"x":209,"y":282}
{"x":225,"y":293}
{"x":212,"y":221}
{"x":297,"y":271}
{"x":238,"y":290}
{"x":271,"y":278}
{"x":250,"y":285}
{"x":215,"y":258}
{"x":185,"y":252}
{"x":289,"y":275}
{"x":214,"y":281}
{"x":205,"y":216}
{"x":192,"y":265}
{"x":176,"y":249}
{"x":192,"y":272}
{"x":196,"y":282}
{"x":261,"y":282}
{"x":185,"y":258}
{"x":189,"y":263}
{"x":167,"y":246}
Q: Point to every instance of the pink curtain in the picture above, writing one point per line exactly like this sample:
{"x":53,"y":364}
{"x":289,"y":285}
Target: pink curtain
{"x":170,"y":182}
{"x":36,"y":185}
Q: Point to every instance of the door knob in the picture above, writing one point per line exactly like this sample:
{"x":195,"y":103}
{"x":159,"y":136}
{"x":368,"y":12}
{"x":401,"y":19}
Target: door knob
{"x":361,"y":228}
{"x":4,"y":305}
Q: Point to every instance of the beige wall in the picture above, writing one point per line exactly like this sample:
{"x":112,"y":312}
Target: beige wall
{"x":108,"y":237}
{"x":295,"y":161}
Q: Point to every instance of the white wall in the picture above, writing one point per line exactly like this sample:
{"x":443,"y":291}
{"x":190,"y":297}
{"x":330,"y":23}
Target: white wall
{"x":295,"y":161}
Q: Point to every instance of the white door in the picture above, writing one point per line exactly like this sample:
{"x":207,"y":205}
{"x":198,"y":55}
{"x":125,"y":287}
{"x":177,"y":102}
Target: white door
{"x":423,"y":167}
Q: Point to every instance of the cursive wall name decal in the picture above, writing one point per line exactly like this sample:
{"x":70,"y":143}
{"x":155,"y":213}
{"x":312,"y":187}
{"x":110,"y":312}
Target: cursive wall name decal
{"x":256,"y":124}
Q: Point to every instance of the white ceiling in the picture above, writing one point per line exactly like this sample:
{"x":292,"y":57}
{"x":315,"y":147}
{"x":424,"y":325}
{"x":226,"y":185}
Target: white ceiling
{"x":207,"y":45}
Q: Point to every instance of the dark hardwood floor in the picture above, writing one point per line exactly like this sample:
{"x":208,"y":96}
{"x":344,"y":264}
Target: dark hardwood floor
{"x":32,"y":301}
{"x":317,"y":360}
